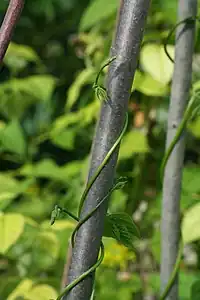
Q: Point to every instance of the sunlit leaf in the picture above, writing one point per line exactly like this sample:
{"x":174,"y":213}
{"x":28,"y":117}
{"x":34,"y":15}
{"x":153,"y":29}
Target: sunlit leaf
{"x":133,"y":142}
{"x":29,"y":291}
{"x":156,"y":63}
{"x":98,"y":11}
{"x":18,"y":56}
{"x":64,"y":139}
{"x":116,"y":254}
{"x":47,"y":168}
{"x":85,"y":77}
{"x":59,"y":225}
{"x":191,"y":224}
{"x":21,"y":290}
{"x":9,"y":189}
{"x":194,"y":127}
{"x":79,"y":118}
{"x":147,"y":85}
{"x":11,"y":227}
{"x":42,"y":292}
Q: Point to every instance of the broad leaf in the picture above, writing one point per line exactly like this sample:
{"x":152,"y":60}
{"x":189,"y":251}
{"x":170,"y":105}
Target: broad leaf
{"x":13,"y":140}
{"x":24,"y":91}
{"x":29,"y":291}
{"x":191,"y":224}
{"x":18,"y":56}
{"x":121,"y":227}
{"x":194,"y":127}
{"x":81,"y":118}
{"x":147,"y":85}
{"x":156,"y":63}
{"x":45,"y":250}
{"x":65,"y":139}
{"x":11,"y":227}
{"x":85,"y":77}
{"x":9,"y":189}
{"x":98,"y":11}
{"x":134,"y":142}
{"x":47,"y":168}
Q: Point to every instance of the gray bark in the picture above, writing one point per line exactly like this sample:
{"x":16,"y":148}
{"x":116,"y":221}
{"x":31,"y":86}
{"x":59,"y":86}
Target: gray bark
{"x":126,"y":45}
{"x":181,"y":83}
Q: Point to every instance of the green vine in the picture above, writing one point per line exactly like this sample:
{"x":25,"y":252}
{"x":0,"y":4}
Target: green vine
{"x":101,"y":93}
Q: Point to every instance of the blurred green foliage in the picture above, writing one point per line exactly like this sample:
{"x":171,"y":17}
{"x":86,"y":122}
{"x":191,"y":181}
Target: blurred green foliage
{"x":48,"y":113}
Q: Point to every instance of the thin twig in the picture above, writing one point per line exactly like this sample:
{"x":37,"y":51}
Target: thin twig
{"x":10,"y":20}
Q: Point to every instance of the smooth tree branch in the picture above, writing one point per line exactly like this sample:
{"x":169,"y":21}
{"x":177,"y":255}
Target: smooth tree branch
{"x":181,"y":83}
{"x":126,"y":45}
{"x":10,"y":20}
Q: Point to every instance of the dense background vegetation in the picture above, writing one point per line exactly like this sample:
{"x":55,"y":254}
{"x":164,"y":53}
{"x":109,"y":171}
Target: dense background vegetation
{"x":48,"y":114}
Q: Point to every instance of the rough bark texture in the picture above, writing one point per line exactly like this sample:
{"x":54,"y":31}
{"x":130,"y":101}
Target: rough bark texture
{"x":126,"y":45}
{"x":173,"y":172}
{"x":10,"y":20}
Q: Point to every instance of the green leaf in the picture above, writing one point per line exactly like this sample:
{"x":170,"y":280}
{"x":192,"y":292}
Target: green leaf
{"x":194,"y":127}
{"x":47,"y":168}
{"x":45,"y":250}
{"x":59,"y":225}
{"x":121,"y":227}
{"x":18,"y":56}
{"x":25,"y":91}
{"x":98,"y":11}
{"x":65,"y":139}
{"x":190,"y":180}
{"x":134,"y":142}
{"x":30,"y":291}
{"x":11,"y":227}
{"x":42,"y":292}
{"x":155,"y":62}
{"x":116,"y":254}
{"x":38,"y":86}
{"x":13,"y":140}
{"x":147,"y":85}
{"x":80,"y":118}
{"x":195,"y":290}
{"x":191,"y":224}
{"x":9,"y":189}
{"x":21,"y":289}
{"x":86,"y":76}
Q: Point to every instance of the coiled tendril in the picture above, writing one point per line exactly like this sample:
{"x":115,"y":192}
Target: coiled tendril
{"x":101,"y":93}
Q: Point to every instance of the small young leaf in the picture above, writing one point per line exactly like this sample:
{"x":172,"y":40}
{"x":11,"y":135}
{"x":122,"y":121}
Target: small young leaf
{"x":120,"y":183}
{"x":55,"y":214}
{"x":121,"y":227}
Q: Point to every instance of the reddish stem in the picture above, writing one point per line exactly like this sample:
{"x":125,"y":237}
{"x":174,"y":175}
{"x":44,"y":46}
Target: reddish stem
{"x":10,"y":20}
